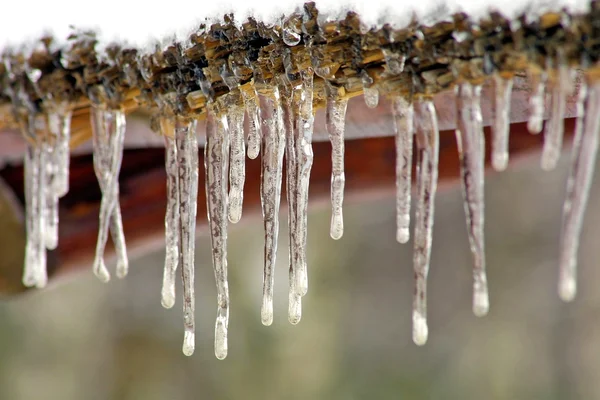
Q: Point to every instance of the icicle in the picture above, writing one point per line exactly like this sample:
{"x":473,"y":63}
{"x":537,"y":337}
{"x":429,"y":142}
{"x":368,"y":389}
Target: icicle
{"x":60,"y":126}
{"x":108,"y":128}
{"x":336,"y":115}
{"x":471,"y":148}
{"x":187,"y":161}
{"x":291,"y":159}
{"x":427,"y":173}
{"x":371,"y":95}
{"x":536,"y":102}
{"x":403,"y":123}
{"x":216,"y":157}
{"x":254,"y":129}
{"x":501,"y":127}
{"x":370,"y":91}
{"x":553,"y":135}
{"x":304,"y":153}
{"x":34,"y":273}
{"x":50,"y":204}
{"x":237,"y":170}
{"x":172,"y":218}
{"x":583,"y":161}
{"x":271,"y":175}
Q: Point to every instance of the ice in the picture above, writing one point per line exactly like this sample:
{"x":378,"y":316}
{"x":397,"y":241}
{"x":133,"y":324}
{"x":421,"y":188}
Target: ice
{"x":304,"y":154}
{"x":108,"y":127}
{"x":50,"y":203}
{"x":291,"y":159}
{"x":583,"y":161}
{"x":553,"y":136}
{"x":273,"y":148}
{"x":216,"y":157}
{"x":501,"y":126}
{"x":371,"y":95}
{"x":254,"y":126}
{"x":403,"y":111}
{"x":34,"y":273}
{"x":335,"y":117}
{"x":537,"y":102}
{"x":172,"y":218}
{"x":187,"y":160}
{"x":59,"y":123}
{"x":427,"y":173}
{"x":237,"y":168}
{"x":471,"y":148}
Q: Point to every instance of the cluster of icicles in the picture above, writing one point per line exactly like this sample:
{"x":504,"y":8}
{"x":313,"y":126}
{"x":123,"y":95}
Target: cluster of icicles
{"x":281,"y":128}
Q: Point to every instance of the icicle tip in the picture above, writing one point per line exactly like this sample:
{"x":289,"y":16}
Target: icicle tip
{"x":420,"y":330}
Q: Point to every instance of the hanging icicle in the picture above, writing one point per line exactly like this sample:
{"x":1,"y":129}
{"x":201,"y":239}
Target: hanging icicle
{"x":403,"y":112}
{"x":370,"y":91}
{"x":108,"y":127}
{"x":583,"y":162}
{"x":237,"y":169}
{"x":501,"y":126}
{"x":187,"y":161}
{"x":291,"y":169}
{"x":304,"y":154}
{"x":254,"y":127}
{"x":553,"y":135}
{"x":273,"y":148}
{"x":336,"y":119}
{"x":471,"y":149}
{"x":537,"y":102}
{"x":172,"y":217}
{"x":59,"y":123}
{"x":34,"y":272}
{"x":427,"y":173}
{"x":216,"y":162}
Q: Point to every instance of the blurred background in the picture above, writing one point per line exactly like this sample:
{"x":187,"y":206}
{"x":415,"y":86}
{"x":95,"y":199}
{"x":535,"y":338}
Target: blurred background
{"x":82,"y":339}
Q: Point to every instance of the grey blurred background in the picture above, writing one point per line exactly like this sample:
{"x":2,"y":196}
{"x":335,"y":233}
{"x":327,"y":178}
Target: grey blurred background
{"x":86,"y":340}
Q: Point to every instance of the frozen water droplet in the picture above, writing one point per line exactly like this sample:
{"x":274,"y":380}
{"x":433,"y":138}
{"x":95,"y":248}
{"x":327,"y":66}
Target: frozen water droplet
{"x":471,"y":148}
{"x":394,"y":61}
{"x":108,"y":127}
{"x":501,"y":127}
{"x":583,"y":161}
{"x":216,"y":162}
{"x":187,"y":161}
{"x":402,"y":110}
{"x":336,"y":116}
{"x":291,"y":31}
{"x":553,"y":136}
{"x":254,"y":126}
{"x":537,"y":102}
{"x":427,"y":137}
{"x":172,"y":219}
{"x":237,"y":169}
{"x":273,"y":147}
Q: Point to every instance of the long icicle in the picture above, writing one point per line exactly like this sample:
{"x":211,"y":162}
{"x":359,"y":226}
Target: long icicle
{"x":273,"y":146}
{"x":471,"y":148}
{"x":291,"y":159}
{"x":108,"y":127}
{"x":237,"y":169}
{"x":336,"y":119}
{"x":537,"y":102}
{"x":304,"y":152}
{"x":172,"y":218}
{"x":501,"y":126}
{"x":216,"y":157}
{"x":34,"y":273}
{"x":583,"y":161}
{"x":254,"y":126}
{"x":553,"y":135}
{"x":187,"y":160}
{"x":427,"y":174}
{"x":403,"y":112}
{"x":50,"y":204}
